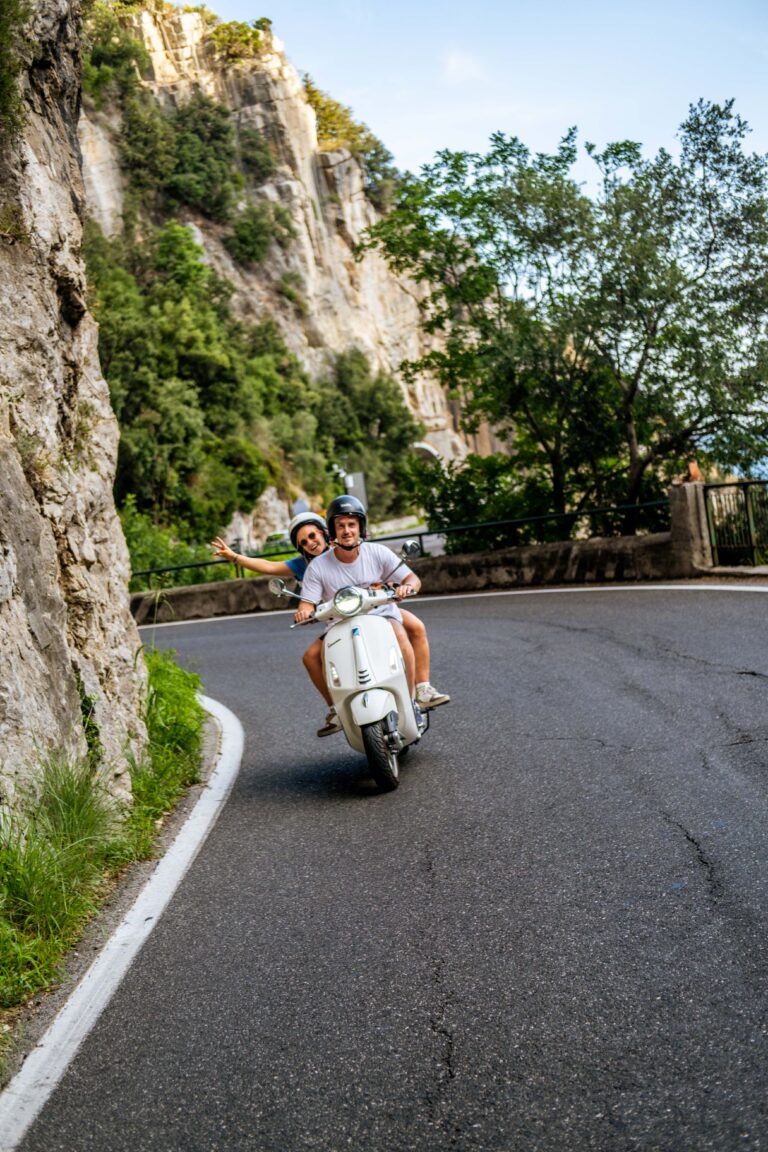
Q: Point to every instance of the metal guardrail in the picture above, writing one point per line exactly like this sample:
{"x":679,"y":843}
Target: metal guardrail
{"x":737,"y":516}
{"x":569,"y":518}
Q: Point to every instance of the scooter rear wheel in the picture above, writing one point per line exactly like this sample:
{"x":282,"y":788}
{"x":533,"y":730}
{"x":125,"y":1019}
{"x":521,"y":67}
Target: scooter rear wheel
{"x":381,"y":760}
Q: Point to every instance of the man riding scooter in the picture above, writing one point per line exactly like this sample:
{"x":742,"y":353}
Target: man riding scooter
{"x":354,"y":560}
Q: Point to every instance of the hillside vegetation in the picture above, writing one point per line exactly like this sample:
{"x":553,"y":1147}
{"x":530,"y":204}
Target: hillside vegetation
{"x":213,"y":410}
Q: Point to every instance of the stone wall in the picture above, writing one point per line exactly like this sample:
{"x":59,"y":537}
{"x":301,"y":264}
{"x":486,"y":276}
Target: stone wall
{"x":69,"y":643}
{"x":682,"y":552}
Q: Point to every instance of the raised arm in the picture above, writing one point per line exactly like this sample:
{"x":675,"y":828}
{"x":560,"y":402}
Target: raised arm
{"x":255,"y":563}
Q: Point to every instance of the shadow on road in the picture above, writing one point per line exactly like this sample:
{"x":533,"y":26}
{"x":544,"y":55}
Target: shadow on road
{"x":342,"y":778}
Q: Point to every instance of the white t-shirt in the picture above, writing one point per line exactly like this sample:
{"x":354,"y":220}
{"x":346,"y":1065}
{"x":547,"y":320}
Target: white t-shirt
{"x":374,"y":564}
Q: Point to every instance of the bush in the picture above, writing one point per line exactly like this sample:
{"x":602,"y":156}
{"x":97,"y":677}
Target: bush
{"x":204,"y":175}
{"x":113,"y":58}
{"x":236,"y":40}
{"x":482,"y":489}
{"x":151,"y":546}
{"x":292,"y":287}
{"x":255,"y":153}
{"x":252,"y":235}
{"x":175,"y":721}
{"x":255,"y":230}
{"x":147,"y":144}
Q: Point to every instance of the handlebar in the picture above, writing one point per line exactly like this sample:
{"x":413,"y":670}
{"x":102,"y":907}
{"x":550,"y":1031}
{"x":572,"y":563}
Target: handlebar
{"x":371,"y":598}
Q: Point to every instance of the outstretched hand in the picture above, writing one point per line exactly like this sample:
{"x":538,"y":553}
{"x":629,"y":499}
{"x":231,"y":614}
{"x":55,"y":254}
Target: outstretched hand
{"x":222,"y":549}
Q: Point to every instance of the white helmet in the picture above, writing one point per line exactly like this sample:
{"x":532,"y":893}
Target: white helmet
{"x":306,"y":518}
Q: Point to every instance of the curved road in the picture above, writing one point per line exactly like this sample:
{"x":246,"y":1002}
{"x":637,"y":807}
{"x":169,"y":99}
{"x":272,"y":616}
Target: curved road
{"x":551,"y":937}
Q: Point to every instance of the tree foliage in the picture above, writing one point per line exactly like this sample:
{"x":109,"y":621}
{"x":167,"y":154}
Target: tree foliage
{"x":236,"y":40}
{"x":113,"y":58}
{"x":611,"y":335}
{"x":256,"y":155}
{"x":365,"y":425}
{"x":204,"y":174}
{"x":337,"y":128}
{"x":212,"y":410}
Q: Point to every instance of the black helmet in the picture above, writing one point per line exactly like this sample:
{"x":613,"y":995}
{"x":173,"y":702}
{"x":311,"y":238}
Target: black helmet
{"x":306,"y":518}
{"x":345,"y":506}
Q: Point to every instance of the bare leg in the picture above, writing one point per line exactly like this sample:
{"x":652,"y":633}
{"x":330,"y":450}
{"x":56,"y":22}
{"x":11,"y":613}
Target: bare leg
{"x":407,"y":651}
{"x":417,"y":634}
{"x":313,"y":662}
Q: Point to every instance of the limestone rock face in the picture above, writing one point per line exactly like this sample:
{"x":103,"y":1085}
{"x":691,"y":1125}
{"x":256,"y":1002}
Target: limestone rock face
{"x":343,"y":303}
{"x":69,"y":644}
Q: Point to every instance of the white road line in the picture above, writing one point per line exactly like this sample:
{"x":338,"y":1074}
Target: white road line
{"x":499,"y":592}
{"x":26,"y":1094}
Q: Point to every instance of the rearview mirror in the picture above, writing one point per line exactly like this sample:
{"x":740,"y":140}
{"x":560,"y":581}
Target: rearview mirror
{"x":277,"y":586}
{"x":411,"y":548}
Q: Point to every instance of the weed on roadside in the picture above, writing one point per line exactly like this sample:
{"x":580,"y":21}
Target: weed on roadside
{"x":61,"y":850}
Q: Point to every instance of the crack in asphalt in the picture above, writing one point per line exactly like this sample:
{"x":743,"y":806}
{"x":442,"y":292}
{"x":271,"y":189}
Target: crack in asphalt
{"x":606,"y":745}
{"x":437,"y":1020}
{"x":711,"y":878}
{"x":717,"y":667}
{"x":440,"y":1028}
{"x":658,"y":647}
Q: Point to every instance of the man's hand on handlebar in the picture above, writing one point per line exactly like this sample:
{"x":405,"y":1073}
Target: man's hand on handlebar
{"x":303,"y":615}
{"x":403,"y":590}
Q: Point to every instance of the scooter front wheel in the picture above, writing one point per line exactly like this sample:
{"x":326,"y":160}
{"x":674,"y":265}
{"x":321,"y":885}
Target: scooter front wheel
{"x":382,"y":761}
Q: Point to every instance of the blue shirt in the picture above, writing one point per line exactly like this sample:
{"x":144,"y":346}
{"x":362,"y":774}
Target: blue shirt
{"x":298,"y":566}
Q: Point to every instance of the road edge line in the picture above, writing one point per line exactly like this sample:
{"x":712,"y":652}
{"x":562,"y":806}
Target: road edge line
{"x":26,"y":1094}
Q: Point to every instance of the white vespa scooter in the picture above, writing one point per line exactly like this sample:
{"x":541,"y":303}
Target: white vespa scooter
{"x":365,"y":675}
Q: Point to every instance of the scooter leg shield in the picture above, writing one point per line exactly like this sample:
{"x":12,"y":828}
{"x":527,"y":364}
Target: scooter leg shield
{"x":368,"y":707}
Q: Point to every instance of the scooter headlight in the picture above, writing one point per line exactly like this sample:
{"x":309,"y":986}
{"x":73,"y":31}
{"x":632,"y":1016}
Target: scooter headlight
{"x":348,"y":601}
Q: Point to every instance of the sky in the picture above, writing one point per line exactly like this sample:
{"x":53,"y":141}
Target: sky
{"x":426,"y":76}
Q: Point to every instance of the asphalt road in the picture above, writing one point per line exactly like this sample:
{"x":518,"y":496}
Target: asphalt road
{"x":551,"y":937}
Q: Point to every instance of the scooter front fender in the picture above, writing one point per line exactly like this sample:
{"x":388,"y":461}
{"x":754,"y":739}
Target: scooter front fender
{"x":375,"y":704}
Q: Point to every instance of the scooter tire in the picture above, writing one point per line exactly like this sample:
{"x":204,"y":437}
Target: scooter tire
{"x":381,"y":760}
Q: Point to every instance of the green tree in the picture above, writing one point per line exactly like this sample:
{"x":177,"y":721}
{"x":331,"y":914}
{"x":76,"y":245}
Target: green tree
{"x":147,"y":145}
{"x":256,"y":155}
{"x":205,"y":175}
{"x":364,"y":425}
{"x":255,"y":229}
{"x":113,"y":56}
{"x":236,"y":40}
{"x":611,"y":335}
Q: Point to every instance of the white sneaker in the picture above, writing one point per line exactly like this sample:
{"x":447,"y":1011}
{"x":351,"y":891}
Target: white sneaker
{"x":428,"y":697}
{"x":332,"y":723}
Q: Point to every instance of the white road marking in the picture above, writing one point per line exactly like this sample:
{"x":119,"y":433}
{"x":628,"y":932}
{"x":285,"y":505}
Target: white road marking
{"x":493,"y":592}
{"x":29,"y":1090}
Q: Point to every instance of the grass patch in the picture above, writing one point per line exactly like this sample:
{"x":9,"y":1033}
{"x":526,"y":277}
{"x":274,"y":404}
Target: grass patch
{"x":61,"y":851}
{"x":175,"y":726}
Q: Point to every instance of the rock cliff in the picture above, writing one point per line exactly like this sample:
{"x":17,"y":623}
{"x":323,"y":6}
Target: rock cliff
{"x":345,"y":303}
{"x":69,"y":645}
